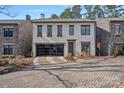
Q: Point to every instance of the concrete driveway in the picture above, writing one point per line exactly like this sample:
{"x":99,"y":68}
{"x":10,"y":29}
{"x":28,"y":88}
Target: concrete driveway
{"x":100,"y":74}
{"x":48,"y":60}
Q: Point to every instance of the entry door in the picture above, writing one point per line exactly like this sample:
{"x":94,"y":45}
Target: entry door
{"x":71,"y":47}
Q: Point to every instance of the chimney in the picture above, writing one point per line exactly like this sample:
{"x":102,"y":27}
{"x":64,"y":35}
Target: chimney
{"x":28,"y":17}
{"x":42,"y":16}
{"x":99,"y":15}
{"x":84,"y":16}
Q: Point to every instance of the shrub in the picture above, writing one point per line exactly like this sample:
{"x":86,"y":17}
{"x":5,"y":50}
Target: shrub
{"x":69,"y":57}
{"x":3,"y":56}
{"x":12,"y":56}
{"x":80,"y":56}
{"x":4,"y":62}
{"x":83,"y":55}
{"x":6,"y":56}
{"x":116,"y":51}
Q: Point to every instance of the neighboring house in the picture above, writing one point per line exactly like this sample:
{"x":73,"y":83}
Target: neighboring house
{"x":110,"y":34}
{"x":15,"y":37}
{"x":117,"y":33}
{"x":59,"y":37}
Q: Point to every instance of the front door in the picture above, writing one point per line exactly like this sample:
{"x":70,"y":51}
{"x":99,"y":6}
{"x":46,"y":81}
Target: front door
{"x":71,"y":47}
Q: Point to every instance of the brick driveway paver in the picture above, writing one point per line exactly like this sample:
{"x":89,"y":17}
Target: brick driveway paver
{"x":100,"y":74}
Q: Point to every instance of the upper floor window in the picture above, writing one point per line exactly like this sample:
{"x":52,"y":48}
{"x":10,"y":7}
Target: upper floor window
{"x":71,"y":29}
{"x":39,"y":30}
{"x":117,"y":29}
{"x":8,"y":49}
{"x":59,"y":31}
{"x":49,"y":30}
{"x":8,"y":32}
{"x":85,"y":29}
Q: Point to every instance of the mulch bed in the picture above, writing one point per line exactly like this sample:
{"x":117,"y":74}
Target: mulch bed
{"x":6,"y":68}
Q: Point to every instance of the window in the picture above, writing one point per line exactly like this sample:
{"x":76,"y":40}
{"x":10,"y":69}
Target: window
{"x":59,"y":31}
{"x":85,"y":47}
{"x":71,"y":29}
{"x":8,"y":49}
{"x":39,"y":30}
{"x":85,"y":29}
{"x":49,"y":31}
{"x":8,"y":32}
{"x":116,"y":28}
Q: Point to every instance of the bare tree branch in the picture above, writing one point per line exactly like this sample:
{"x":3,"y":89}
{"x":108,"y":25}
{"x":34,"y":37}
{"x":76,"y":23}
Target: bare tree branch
{"x":4,"y":10}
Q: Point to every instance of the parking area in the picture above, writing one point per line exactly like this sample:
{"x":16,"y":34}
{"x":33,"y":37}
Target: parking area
{"x":48,"y":60}
{"x":99,"y":74}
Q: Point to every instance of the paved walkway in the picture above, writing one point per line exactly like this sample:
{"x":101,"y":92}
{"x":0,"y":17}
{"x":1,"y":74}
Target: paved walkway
{"x":100,"y":74}
{"x":58,"y":60}
{"x":48,"y":60}
{"x":36,"y":61}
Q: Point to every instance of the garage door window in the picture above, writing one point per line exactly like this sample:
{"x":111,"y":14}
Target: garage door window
{"x":50,"y":50}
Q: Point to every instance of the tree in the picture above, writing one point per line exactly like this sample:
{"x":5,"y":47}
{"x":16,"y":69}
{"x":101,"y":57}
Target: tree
{"x":4,"y":10}
{"x":76,"y":12}
{"x":54,"y":16}
{"x":92,"y":10}
{"x":66,"y":13}
{"x":114,"y":10}
{"x":103,"y":10}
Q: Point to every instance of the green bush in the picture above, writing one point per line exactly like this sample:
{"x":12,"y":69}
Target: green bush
{"x":12,"y":56}
{"x":6,"y":56}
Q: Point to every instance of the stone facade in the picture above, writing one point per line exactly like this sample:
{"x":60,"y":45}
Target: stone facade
{"x":117,"y":40}
{"x":21,"y":39}
{"x":107,"y":37}
{"x":25,"y":38}
{"x":102,"y":36}
{"x":9,"y":40}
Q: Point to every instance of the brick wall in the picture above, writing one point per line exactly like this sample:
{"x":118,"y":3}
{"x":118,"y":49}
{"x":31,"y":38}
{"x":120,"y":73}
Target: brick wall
{"x":22,"y":37}
{"x":10,"y":40}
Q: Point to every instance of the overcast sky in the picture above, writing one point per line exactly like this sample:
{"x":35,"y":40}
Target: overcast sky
{"x":33,"y":10}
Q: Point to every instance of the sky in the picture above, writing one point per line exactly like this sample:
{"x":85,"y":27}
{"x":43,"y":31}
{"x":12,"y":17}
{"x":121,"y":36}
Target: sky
{"x":34,"y":10}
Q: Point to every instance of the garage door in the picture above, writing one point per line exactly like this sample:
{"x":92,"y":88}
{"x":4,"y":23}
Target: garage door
{"x":49,"y":49}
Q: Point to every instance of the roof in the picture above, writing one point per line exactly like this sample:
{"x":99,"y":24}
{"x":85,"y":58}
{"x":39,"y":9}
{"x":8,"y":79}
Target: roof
{"x":117,"y":19}
{"x":10,"y":21}
{"x":61,"y":20}
{"x":113,"y":19}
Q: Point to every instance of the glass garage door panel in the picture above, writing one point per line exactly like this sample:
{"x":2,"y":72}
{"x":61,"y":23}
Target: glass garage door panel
{"x":50,"y":50}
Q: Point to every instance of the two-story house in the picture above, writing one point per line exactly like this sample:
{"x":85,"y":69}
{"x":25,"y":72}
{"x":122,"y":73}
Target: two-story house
{"x":110,"y":34}
{"x":117,"y":33}
{"x":16,"y":37}
{"x":59,"y":37}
